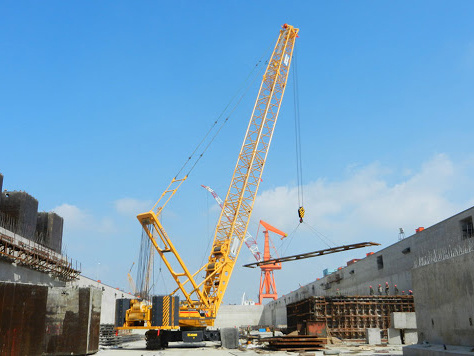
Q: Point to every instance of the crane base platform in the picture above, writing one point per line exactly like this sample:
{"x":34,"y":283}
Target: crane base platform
{"x":158,"y":339}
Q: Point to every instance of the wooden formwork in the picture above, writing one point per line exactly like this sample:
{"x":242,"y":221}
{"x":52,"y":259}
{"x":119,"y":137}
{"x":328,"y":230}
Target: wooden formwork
{"x":346,"y":317}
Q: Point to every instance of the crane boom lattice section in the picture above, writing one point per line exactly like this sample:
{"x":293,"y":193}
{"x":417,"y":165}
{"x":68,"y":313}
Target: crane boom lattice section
{"x":230,"y":232}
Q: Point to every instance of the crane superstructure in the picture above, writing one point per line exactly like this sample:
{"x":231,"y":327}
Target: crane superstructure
{"x":202,"y":299}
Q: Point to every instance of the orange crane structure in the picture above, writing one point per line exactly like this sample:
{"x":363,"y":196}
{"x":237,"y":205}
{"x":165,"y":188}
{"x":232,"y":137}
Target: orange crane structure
{"x":267,"y":279}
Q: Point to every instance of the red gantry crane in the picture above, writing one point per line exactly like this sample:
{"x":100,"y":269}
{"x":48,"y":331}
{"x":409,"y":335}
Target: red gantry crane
{"x":267,"y":279}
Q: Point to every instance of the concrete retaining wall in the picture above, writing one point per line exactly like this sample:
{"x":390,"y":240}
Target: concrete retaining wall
{"x":109,"y":295}
{"x":12,"y":273}
{"x":445,"y":301}
{"x":230,"y":316}
{"x":41,"y":320}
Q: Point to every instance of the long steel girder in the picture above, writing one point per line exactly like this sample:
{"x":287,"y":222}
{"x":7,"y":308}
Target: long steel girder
{"x":313,"y":254}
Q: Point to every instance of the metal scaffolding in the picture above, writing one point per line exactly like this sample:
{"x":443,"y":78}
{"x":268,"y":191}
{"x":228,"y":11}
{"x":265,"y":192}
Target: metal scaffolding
{"x":346,"y":317}
{"x":32,"y":255}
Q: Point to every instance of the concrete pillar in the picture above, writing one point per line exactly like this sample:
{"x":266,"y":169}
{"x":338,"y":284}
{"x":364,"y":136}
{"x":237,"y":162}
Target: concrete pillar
{"x":373,"y":336}
{"x":394,"y":337}
{"x":410,"y":336}
{"x":410,"y":320}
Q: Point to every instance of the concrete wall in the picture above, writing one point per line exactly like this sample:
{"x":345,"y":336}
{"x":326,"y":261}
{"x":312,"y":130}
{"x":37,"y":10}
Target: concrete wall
{"x":72,"y":321}
{"x":230,"y":316}
{"x":23,"y":208}
{"x":22,"y":318}
{"x":49,"y":230}
{"x":109,"y":295}
{"x":445,"y":300}
{"x":41,"y":320}
{"x":12,"y":273}
{"x":434,"y":244}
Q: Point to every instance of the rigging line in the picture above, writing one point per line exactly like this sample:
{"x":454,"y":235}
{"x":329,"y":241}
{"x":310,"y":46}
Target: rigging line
{"x":242,"y":87}
{"x":162,"y":277}
{"x":316,"y":232}
{"x":299,"y":168}
{"x":292,"y":234}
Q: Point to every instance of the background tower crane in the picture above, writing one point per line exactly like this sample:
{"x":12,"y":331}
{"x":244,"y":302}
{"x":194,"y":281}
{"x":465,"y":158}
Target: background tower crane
{"x":249,"y":240}
{"x":130,"y":280}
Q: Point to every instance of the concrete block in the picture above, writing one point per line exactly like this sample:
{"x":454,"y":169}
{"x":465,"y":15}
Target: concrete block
{"x":398,"y":320}
{"x":394,"y":337}
{"x":410,"y":336}
{"x":230,"y":338}
{"x":410,"y":322}
{"x":373,"y":336}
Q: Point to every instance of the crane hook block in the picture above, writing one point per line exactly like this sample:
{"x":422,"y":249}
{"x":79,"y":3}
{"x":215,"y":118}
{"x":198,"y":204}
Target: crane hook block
{"x":301,"y":213}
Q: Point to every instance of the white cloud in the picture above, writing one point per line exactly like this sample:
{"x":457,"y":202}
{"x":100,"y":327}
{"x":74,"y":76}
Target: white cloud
{"x":76,"y":219}
{"x":73,"y":216}
{"x":366,"y":206}
{"x":132,"y":207}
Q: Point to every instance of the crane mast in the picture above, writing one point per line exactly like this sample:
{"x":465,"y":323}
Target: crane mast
{"x":202,"y":300}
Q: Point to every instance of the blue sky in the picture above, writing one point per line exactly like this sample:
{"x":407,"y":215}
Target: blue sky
{"x":102,"y":102}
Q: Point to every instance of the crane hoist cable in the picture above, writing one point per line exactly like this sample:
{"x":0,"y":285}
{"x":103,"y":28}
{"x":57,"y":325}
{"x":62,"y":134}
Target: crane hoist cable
{"x":326,"y":240}
{"x":299,"y":166}
{"x":240,"y":94}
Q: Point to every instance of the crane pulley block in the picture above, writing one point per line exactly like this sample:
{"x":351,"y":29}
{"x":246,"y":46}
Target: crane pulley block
{"x":301,"y":213}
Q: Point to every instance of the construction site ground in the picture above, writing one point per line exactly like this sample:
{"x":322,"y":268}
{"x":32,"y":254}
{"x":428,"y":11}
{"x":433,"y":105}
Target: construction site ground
{"x":138,"y":348}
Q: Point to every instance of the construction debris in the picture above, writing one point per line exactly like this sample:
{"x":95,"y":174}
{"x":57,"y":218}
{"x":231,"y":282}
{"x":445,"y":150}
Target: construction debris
{"x":295,"y":343}
{"x":109,"y":337}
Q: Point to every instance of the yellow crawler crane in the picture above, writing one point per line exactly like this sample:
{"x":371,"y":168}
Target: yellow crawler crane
{"x":202,"y":299}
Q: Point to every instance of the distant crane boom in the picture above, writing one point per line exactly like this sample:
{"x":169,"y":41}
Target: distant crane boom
{"x":130,"y":280}
{"x":249,"y":240}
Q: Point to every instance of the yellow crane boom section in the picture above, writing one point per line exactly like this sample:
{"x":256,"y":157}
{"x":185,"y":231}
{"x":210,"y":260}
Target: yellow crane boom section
{"x":202,"y":300}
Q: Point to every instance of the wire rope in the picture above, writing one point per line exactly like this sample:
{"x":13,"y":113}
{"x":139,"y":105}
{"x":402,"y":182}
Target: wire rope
{"x":246,"y":85}
{"x":299,"y":166}
{"x":321,"y":236}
